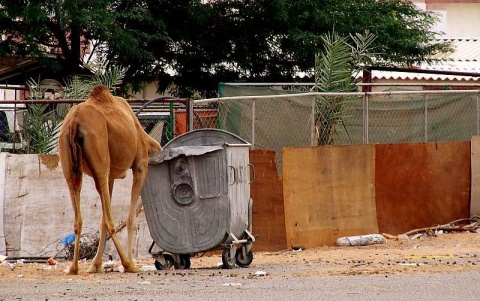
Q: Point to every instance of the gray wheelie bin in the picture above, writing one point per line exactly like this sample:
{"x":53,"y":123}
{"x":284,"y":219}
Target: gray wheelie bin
{"x":197,"y":199}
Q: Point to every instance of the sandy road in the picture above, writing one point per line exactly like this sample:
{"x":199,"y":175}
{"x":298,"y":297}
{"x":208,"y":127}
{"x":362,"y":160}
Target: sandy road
{"x":440,"y":268}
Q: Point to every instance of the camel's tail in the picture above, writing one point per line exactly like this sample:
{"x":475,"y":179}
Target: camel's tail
{"x":75,"y":153}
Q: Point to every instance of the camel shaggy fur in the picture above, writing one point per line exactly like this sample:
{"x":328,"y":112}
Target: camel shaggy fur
{"x":103,"y":138}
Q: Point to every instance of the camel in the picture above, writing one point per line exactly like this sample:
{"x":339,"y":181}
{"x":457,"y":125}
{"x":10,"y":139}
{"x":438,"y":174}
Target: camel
{"x":103,"y":138}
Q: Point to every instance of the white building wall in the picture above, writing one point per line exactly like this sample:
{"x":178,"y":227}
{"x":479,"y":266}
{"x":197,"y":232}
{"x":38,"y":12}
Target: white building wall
{"x":463,"y":20}
{"x":458,"y":19}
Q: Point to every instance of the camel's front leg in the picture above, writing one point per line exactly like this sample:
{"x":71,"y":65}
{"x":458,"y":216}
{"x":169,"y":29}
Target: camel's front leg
{"x":109,"y":227}
{"x":96,"y":266}
{"x":139,"y":173}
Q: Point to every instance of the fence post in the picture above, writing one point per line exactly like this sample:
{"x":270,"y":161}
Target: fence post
{"x":189,"y":111}
{"x":425,"y":126}
{"x":253,"y":124}
{"x":313,"y":134}
{"x":478,"y":115}
{"x":365,"y":118}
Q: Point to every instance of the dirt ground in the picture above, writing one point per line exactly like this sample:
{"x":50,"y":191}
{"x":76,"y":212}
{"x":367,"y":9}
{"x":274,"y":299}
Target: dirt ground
{"x":452,"y":252}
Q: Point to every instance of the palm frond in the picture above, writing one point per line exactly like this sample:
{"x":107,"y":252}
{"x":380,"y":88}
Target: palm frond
{"x":112,"y":78}
{"x":42,"y":123}
{"x":335,"y":70}
{"x":332,"y":72}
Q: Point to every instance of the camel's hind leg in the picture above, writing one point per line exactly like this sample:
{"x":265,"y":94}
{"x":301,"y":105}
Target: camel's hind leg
{"x":74,"y":178}
{"x":77,"y":226}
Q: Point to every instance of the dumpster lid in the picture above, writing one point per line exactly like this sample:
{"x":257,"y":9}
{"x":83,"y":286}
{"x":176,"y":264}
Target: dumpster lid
{"x":172,"y":153}
{"x":205,"y":137}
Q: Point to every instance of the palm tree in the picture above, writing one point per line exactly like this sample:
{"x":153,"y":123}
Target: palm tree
{"x":42,"y":122}
{"x":336,"y":68}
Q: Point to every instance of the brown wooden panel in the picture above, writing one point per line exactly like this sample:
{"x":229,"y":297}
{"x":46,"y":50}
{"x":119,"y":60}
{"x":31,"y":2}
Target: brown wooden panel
{"x":268,"y":218}
{"x":421,"y":185}
{"x":329,"y":193}
{"x":475,"y":177}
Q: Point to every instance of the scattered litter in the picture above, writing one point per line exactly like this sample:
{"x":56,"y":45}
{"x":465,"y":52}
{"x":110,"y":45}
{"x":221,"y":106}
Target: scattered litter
{"x":471,"y":224}
{"x":146,"y":268}
{"x":108,"y":265}
{"x":20,"y":276}
{"x":21,"y":261}
{"x":121,"y":269}
{"x":51,"y":261}
{"x":297,"y":250}
{"x":418,"y":235}
{"x":428,"y":256}
{"x":260,"y":273}
{"x":145,"y":282}
{"x":410,"y":264}
{"x":361,"y":240}
{"x":232,"y":284}
{"x":69,"y":239}
{"x":2,"y":258}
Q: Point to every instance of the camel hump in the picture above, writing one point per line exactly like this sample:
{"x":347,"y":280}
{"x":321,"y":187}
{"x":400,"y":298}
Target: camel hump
{"x":101,"y":93}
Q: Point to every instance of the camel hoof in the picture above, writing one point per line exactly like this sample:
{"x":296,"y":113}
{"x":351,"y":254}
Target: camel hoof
{"x":70,"y":271}
{"x":131,"y":269}
{"x":94,"y":269}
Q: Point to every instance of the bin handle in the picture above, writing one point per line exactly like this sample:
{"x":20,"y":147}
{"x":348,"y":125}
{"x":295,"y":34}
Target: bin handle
{"x":234,"y":175}
{"x":253,"y":169}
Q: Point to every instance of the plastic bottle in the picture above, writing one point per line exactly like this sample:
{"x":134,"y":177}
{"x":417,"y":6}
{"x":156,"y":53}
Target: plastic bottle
{"x":361,"y":240}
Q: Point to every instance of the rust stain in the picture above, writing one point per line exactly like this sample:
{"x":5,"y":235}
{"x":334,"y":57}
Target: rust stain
{"x":50,"y":161}
{"x":421,"y":184}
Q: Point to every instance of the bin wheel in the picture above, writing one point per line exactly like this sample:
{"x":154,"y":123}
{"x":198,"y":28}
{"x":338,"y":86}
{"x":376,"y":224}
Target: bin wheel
{"x":169,"y":262}
{"x":243,"y":261}
{"x":184,"y":263}
{"x":227,"y":260}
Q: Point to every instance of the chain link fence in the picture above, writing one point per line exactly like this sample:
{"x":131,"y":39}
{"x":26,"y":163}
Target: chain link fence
{"x":298,"y":119}
{"x":273,"y":119}
{"x":32,"y":126}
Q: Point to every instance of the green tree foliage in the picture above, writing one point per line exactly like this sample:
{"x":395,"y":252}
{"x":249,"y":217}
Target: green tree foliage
{"x":122,"y":30}
{"x":194,"y":44}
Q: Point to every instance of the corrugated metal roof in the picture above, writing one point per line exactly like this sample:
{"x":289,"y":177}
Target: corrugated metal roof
{"x":465,"y":50}
{"x":464,"y":58}
{"x":394,"y":75}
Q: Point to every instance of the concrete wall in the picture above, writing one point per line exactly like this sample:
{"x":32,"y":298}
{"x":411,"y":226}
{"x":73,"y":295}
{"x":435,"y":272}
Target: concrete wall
{"x":35,"y":208}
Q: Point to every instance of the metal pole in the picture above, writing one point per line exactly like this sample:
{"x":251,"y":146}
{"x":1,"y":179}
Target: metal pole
{"x":253,"y":124}
{"x":426,"y":118}
{"x":365,"y":118}
{"x":312,"y":136}
{"x":189,"y":109}
{"x":478,"y":116}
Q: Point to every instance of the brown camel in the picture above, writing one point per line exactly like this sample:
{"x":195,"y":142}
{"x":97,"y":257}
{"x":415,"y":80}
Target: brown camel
{"x":103,"y":138}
